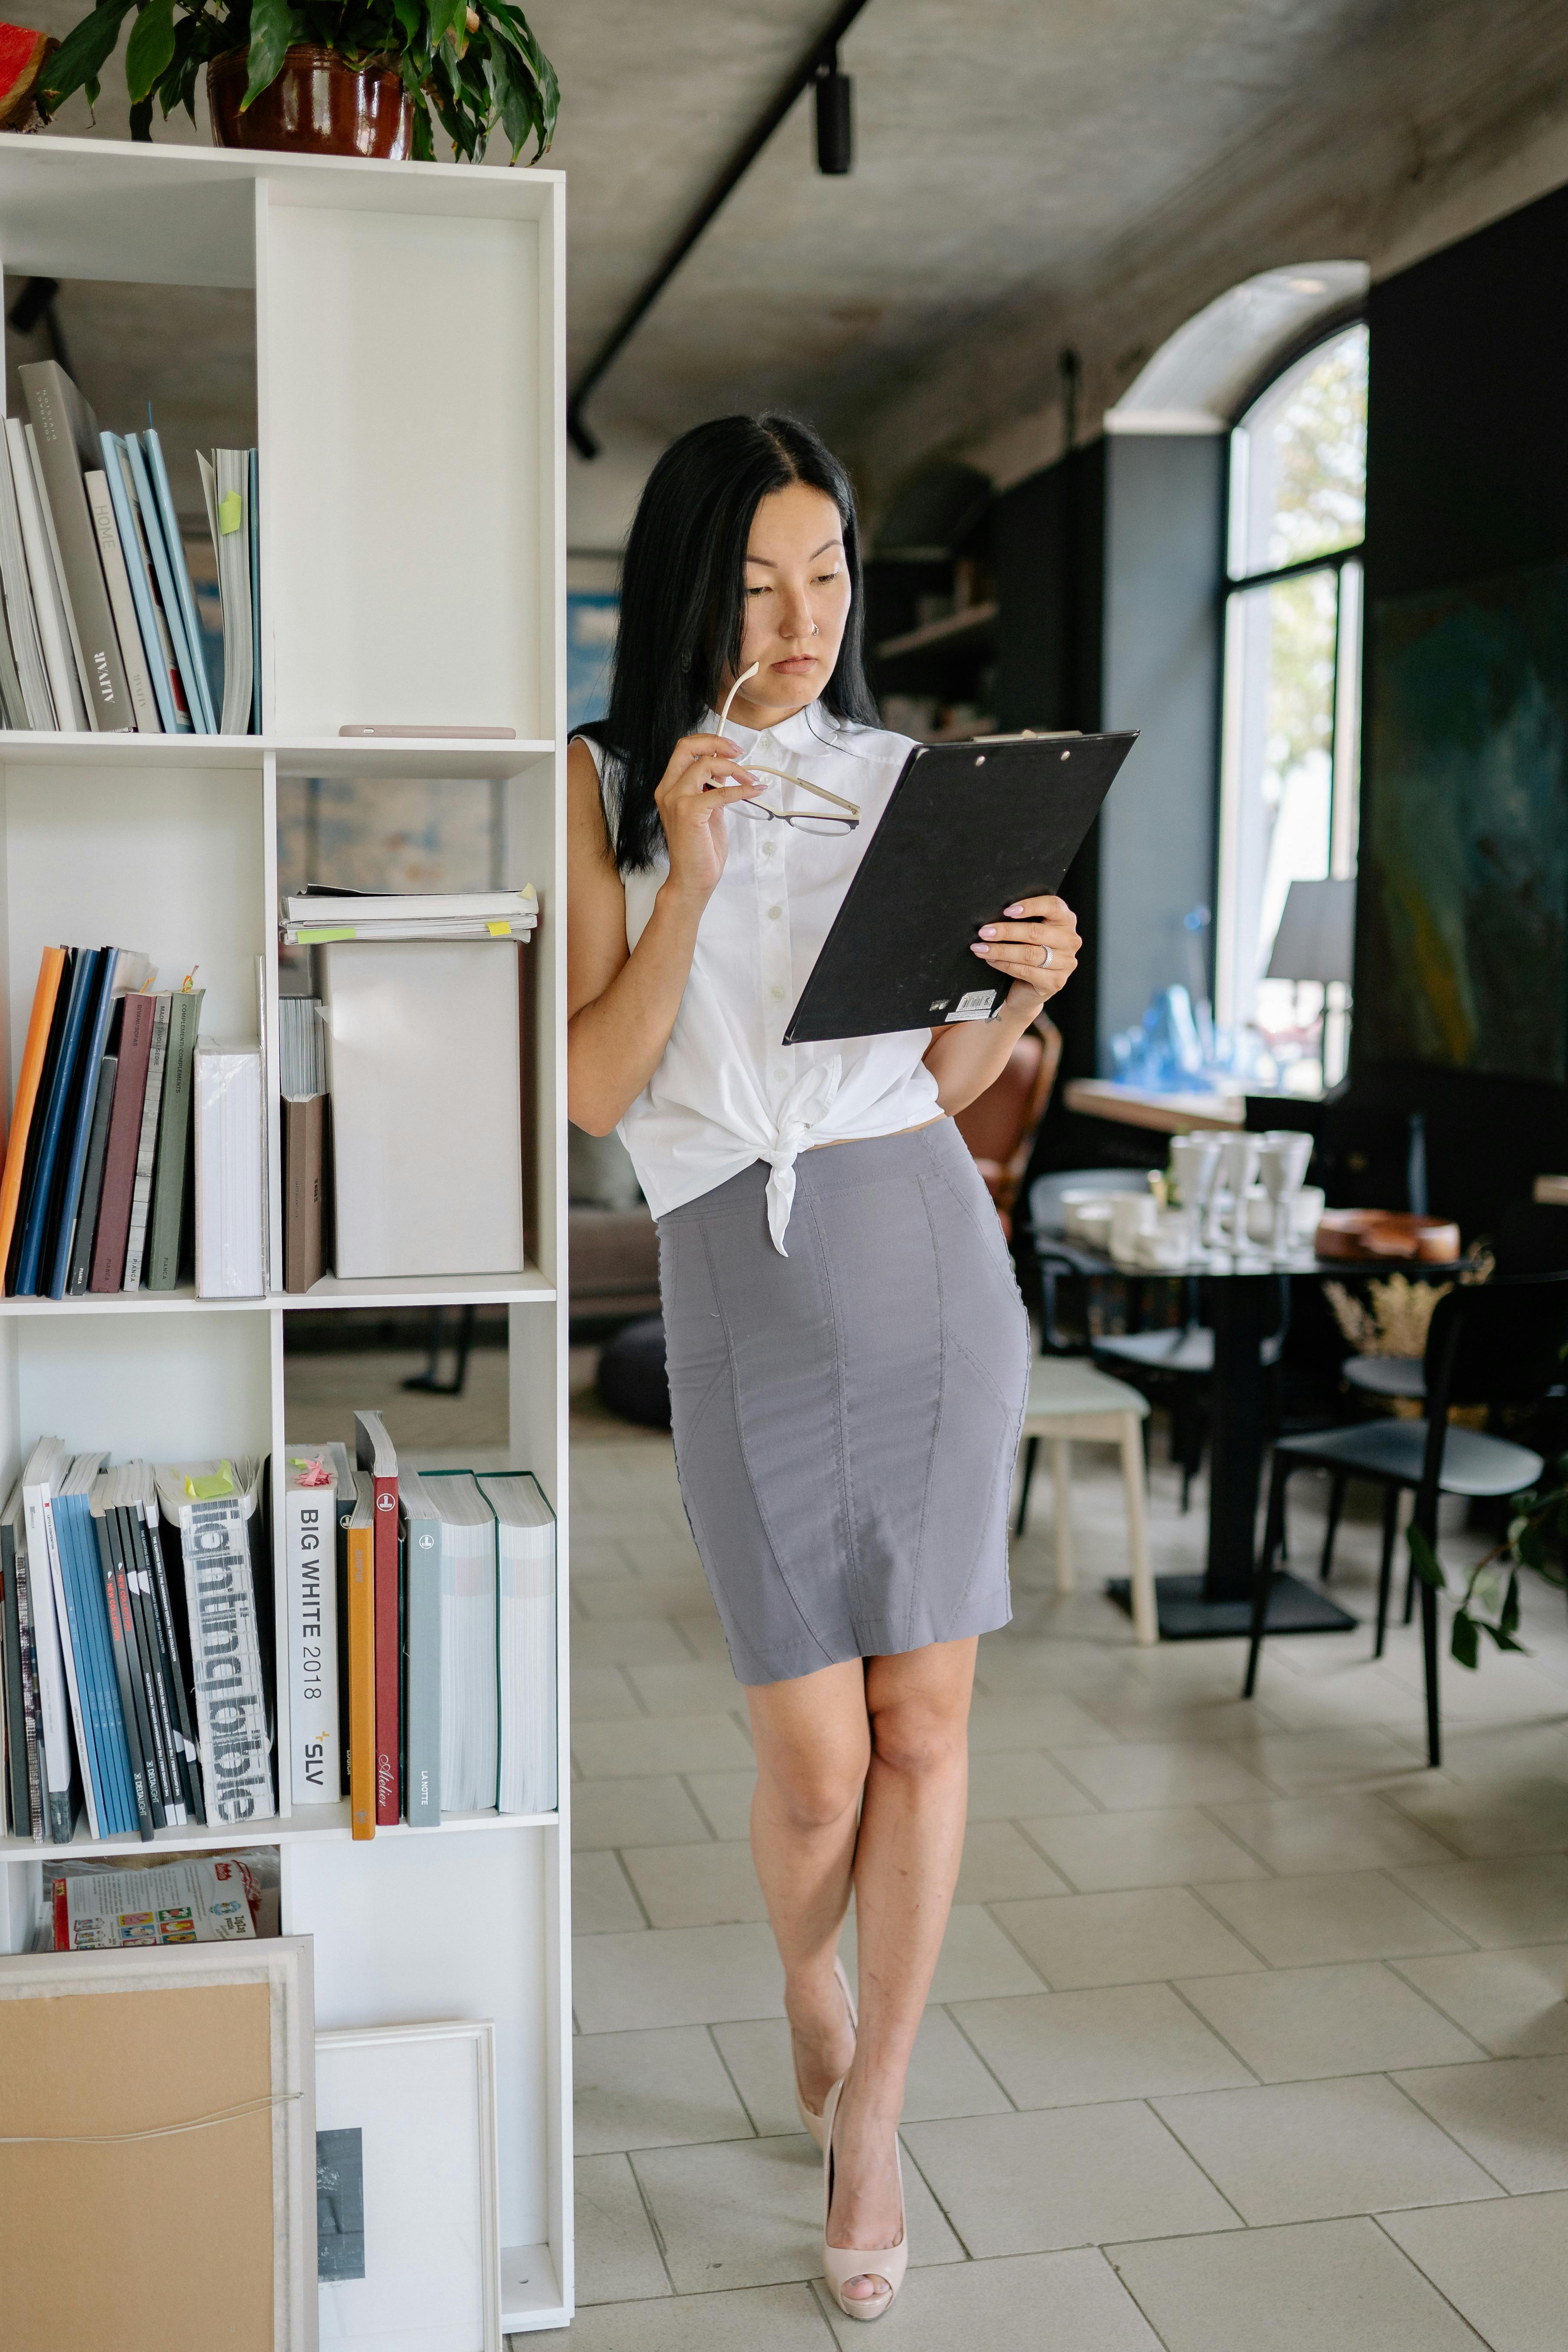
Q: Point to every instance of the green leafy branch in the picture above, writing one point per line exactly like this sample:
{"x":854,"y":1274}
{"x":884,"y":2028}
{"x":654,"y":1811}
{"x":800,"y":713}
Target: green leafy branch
{"x":475,"y":71}
{"x":1489,"y":1603}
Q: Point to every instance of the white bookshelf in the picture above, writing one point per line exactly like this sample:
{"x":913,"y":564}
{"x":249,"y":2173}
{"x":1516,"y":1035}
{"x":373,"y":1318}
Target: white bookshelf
{"x":411,"y":427}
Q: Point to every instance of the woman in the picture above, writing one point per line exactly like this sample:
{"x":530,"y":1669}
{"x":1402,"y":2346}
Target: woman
{"x":849,"y":1356}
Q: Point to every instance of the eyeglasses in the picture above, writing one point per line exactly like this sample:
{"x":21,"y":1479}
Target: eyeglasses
{"x":802,"y":822}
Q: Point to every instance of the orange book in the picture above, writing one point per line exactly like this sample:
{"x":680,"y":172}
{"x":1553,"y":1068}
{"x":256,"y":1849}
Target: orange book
{"x":33,"y":1052}
{"x":361,"y":1659}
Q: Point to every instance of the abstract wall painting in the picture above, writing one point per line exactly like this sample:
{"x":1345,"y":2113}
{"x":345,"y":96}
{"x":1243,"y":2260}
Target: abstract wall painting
{"x":1463,"y":947}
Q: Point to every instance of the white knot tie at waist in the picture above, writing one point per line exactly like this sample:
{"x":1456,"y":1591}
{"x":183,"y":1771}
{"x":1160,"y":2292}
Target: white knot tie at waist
{"x":802,"y":1110}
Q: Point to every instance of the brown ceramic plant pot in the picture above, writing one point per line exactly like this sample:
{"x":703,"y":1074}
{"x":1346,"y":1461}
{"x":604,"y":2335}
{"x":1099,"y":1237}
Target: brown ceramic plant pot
{"x":318,"y":105}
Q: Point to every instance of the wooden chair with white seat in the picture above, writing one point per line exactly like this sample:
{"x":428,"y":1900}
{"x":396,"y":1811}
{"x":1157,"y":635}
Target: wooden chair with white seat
{"x":1068,"y":1399}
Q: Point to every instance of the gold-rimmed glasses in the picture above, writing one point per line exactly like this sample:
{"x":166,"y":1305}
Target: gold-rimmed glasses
{"x":804,"y":821}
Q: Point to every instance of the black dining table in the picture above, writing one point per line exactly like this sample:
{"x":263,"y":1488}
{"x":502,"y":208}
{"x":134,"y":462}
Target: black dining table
{"x":1243,"y":1292}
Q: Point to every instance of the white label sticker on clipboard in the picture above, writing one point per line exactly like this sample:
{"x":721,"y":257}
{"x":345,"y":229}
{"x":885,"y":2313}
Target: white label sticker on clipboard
{"x":977,"y":1005}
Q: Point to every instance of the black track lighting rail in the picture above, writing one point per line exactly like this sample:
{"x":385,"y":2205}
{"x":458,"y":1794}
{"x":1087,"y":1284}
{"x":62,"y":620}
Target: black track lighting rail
{"x":818,"y":63}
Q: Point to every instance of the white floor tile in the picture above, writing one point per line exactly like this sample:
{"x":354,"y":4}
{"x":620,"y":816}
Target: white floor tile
{"x":1118,"y":2042}
{"x":603,"y":1901}
{"x":1137,"y":1775}
{"x":945,"y":2076}
{"x":978,"y":1960}
{"x":662,"y":2088}
{"x":725,"y":1800}
{"x":1292,"y":2025}
{"x":1334,"y":1915}
{"x":762,"y":2319}
{"x":1322,"y":2286}
{"x":1064,"y":2177}
{"x":1161,"y":1849}
{"x":1124,"y":1938}
{"x":675,"y":1976}
{"x":750,"y":2214}
{"x":617,"y":2254}
{"x":1490,"y":1816}
{"x":694,"y":1743}
{"x":1512,"y":2003}
{"x":1332,"y":1832}
{"x":1311,"y":2151}
{"x":701,"y":1687}
{"x":1504,"y":2266}
{"x":1025,"y":2302}
{"x":1496,"y":1903}
{"x":1000,"y":1865}
{"x":696,"y":1885}
{"x":1510,"y":2113}
{"x":1006,"y":1786}
{"x":655,"y":1811}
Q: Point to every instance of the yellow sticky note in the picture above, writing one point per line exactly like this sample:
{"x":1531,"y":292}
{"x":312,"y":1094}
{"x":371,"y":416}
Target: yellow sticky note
{"x":319,"y":936}
{"x":215,"y":1483}
{"x":231,"y":512}
{"x":499,"y":930}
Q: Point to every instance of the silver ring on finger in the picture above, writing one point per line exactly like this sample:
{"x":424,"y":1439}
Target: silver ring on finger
{"x":1048,"y":954}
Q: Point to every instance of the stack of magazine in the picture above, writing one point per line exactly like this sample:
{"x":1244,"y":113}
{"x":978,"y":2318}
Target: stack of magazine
{"x":317,"y":914}
{"x":136,"y":1654}
{"x":101,"y":627}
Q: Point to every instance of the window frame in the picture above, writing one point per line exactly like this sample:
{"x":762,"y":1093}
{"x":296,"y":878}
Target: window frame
{"x":1348,"y":565}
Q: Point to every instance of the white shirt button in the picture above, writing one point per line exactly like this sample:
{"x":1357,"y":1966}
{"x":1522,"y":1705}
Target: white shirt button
{"x":781,"y":1077}
{"x":767,"y":849}
{"x":774,"y":913}
{"x":777,"y":995}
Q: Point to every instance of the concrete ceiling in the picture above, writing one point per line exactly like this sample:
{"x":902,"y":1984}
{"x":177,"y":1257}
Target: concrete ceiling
{"x":1029,"y":173}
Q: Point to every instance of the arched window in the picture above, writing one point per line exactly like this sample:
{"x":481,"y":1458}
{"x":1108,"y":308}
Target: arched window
{"x":1291,"y":754}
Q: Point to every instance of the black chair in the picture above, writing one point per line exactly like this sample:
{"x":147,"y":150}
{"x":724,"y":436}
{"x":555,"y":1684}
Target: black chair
{"x":1499,"y":1343}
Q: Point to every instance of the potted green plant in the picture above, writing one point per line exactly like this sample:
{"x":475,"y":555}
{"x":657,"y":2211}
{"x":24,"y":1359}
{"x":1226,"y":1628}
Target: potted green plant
{"x":1490,"y":1602}
{"x":338,"y":77}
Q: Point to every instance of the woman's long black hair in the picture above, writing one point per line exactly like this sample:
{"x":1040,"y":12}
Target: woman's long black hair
{"x":682,"y":601}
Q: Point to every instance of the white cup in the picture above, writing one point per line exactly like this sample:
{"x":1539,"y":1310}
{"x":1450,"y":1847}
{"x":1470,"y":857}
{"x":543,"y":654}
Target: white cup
{"x":1132,"y":1217}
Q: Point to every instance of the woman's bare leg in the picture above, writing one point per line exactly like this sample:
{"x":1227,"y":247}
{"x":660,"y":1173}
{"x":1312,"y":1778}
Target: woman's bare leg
{"x":813,"y":1738}
{"x":915,"y":1708}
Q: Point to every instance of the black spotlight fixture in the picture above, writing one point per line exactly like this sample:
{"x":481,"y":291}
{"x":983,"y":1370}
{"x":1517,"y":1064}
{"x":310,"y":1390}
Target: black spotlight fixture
{"x":835,"y":119}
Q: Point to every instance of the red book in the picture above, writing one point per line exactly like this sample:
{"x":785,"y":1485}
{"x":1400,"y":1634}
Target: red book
{"x":375,"y":1451}
{"x":124,"y":1139}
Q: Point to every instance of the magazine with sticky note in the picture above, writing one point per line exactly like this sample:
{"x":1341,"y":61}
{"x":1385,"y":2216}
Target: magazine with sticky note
{"x":969,"y":829}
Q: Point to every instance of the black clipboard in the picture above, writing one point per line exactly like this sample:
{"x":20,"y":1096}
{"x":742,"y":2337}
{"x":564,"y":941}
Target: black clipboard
{"x":969,"y":828}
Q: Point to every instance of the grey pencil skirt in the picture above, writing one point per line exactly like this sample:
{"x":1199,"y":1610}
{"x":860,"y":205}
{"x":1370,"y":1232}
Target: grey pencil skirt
{"x":847,"y":1417}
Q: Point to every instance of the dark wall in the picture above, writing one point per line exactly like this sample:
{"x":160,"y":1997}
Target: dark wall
{"x":1466,"y":479}
{"x":1047,"y":547}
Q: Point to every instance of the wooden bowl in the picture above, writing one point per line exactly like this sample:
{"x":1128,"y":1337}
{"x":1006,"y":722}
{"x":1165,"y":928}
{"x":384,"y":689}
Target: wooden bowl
{"x":1367,"y":1236}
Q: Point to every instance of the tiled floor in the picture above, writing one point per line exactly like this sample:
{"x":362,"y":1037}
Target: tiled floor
{"x":1249,"y":2034}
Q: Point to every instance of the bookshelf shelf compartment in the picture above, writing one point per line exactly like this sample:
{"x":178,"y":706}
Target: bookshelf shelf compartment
{"x":406,"y":574}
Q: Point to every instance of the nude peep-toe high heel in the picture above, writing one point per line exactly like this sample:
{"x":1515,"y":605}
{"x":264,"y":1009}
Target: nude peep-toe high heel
{"x":841,"y":2263}
{"x":808,"y":2115}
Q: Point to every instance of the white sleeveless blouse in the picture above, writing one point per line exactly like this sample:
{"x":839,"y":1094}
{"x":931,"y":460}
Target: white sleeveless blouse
{"x":728,"y":1090}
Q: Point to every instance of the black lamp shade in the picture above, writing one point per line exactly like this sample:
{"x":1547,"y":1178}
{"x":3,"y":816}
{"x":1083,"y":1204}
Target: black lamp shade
{"x":835,"y":122}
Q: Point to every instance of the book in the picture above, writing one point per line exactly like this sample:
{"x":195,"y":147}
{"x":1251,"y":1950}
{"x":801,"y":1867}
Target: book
{"x":471,"y":1726}
{"x":208,"y":1510}
{"x":29,"y":1167}
{"x":65,"y":433}
{"x":174,"y":587}
{"x":135,"y":1729}
{"x":13,"y":1548}
{"x":157,"y":642}
{"x":136,"y":1017}
{"x":88,"y":1645}
{"x":13,"y":700}
{"x":317,"y":915}
{"x":304,"y":1128}
{"x":51,"y":965}
{"x":123,"y":603}
{"x":347,"y":1495}
{"x":120,"y":969}
{"x":230,"y":1170}
{"x":225,"y":484}
{"x":93,"y":1180}
{"x":166,"y":1220}
{"x":196,"y":1900}
{"x":142,"y":1516}
{"x":525,"y":1641}
{"x":28,"y":1726}
{"x":197,"y":691}
{"x":310,"y":1612}
{"x":156,"y":1695}
{"x":48,"y":597}
{"x":48,"y":1461}
{"x":435,"y":1190}
{"x":36,"y":1213}
{"x":147,"y":1146}
{"x":21,"y":616}
{"x":375,"y":1451}
{"x":421,"y":1652}
{"x":361,"y":1533}
{"x":253,"y":510}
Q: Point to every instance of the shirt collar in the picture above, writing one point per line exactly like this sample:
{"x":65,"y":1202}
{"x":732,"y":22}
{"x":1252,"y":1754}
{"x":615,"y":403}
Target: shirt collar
{"x":811,"y":730}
